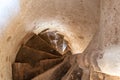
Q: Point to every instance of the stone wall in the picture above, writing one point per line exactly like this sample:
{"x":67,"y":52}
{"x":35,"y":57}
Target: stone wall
{"x":79,"y":17}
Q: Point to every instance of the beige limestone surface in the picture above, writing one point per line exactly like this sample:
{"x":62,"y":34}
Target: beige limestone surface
{"x":79,"y":20}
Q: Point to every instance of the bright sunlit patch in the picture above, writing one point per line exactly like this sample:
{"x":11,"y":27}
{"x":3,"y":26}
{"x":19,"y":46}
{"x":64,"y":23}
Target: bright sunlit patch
{"x":110,"y":63}
{"x":8,"y":9}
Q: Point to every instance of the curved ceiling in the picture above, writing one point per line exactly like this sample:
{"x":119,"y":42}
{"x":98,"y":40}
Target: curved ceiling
{"x":76,"y":19}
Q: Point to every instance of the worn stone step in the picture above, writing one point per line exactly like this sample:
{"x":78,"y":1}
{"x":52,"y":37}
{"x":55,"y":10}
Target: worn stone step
{"x":56,"y":40}
{"x":24,"y":71}
{"x":30,"y":55}
{"x":55,"y":73}
{"x":37,"y":43}
{"x":19,"y":70}
{"x":74,"y":73}
{"x":48,"y":63}
{"x":49,"y":36}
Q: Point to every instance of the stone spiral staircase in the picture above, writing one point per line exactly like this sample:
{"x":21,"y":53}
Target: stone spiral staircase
{"x":46,"y":56}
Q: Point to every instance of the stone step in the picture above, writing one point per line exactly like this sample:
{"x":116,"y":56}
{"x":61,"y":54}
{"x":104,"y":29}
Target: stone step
{"x":49,"y":36}
{"x":74,"y":73}
{"x":37,"y":43}
{"x":20,"y":69}
{"x":24,"y":71}
{"x":55,"y":73}
{"x":48,"y":63}
{"x":30,"y":55}
{"x":56,"y":40}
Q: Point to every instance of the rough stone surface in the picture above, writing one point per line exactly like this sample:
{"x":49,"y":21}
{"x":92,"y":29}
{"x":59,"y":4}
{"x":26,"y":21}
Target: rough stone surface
{"x":82,"y":20}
